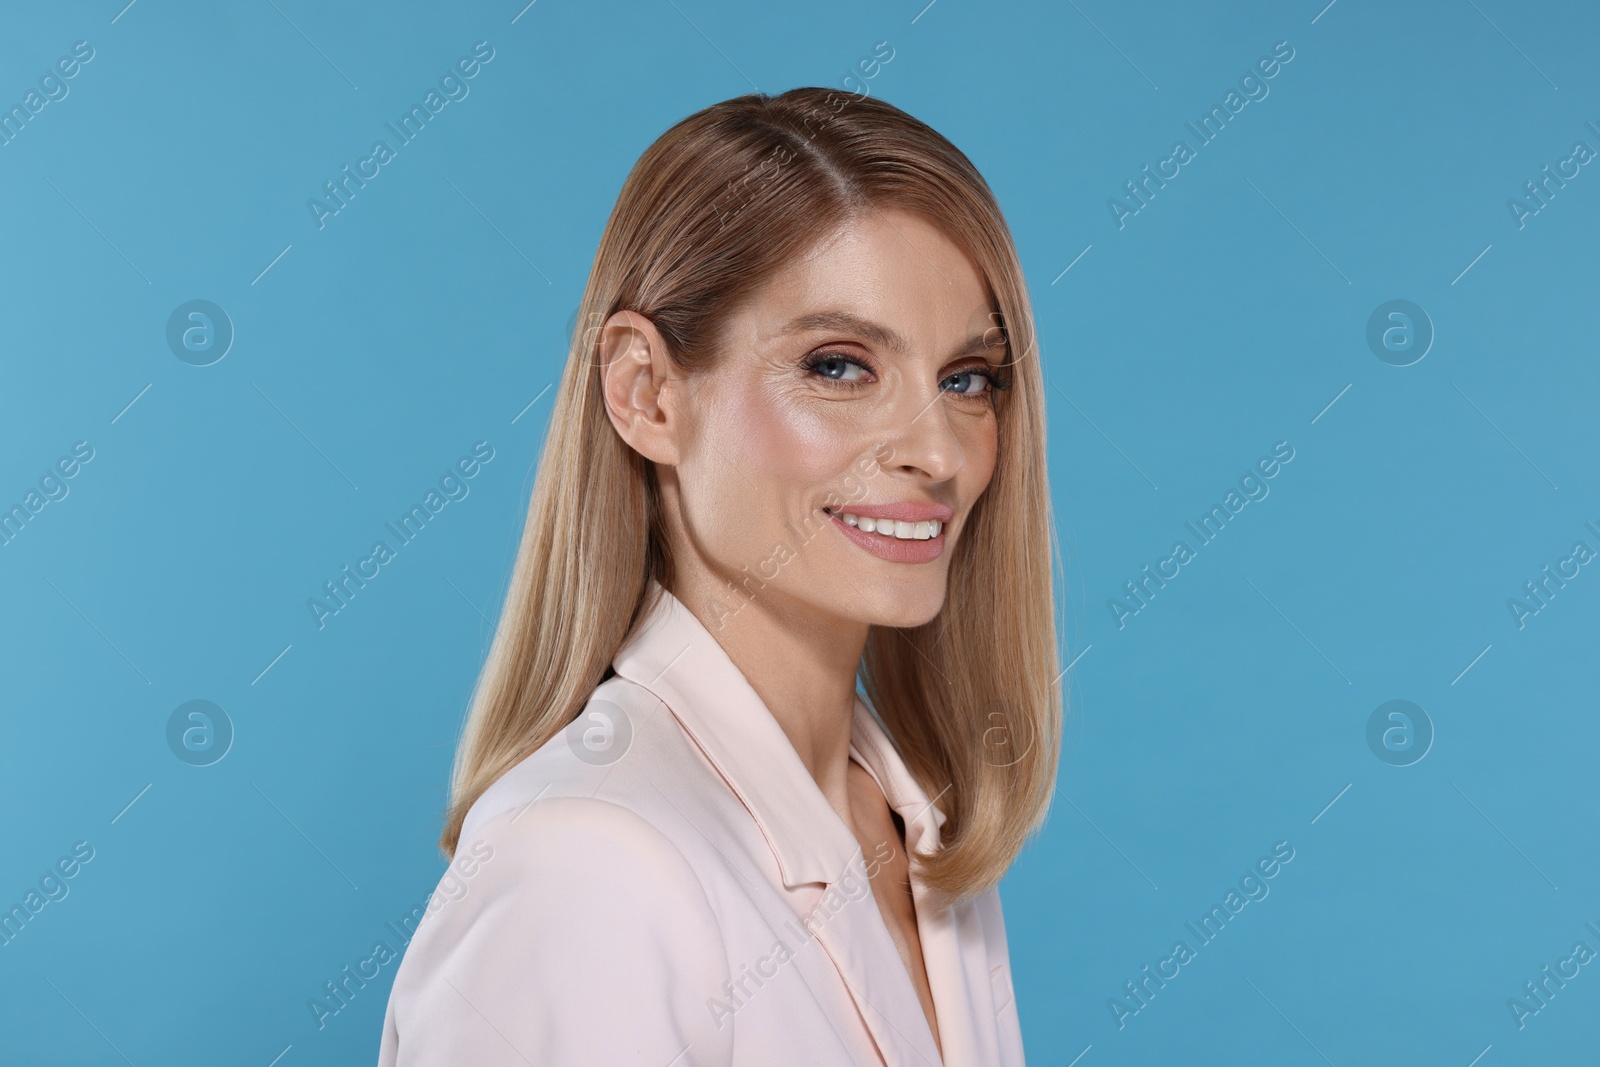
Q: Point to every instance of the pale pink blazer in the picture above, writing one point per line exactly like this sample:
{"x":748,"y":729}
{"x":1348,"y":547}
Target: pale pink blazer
{"x":663,"y":884}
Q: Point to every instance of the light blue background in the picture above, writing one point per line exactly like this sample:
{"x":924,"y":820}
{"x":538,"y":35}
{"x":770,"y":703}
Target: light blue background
{"x":431,"y":313}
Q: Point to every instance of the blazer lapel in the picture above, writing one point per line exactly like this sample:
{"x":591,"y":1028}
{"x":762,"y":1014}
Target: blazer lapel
{"x":960,"y":983}
{"x":952,"y":939}
{"x":848,"y":925}
{"x":670,"y":653}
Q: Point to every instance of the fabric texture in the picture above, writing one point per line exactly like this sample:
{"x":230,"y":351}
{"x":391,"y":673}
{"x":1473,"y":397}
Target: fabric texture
{"x":664,"y":884}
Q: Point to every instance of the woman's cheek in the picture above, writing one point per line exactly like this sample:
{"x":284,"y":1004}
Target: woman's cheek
{"x":798,"y":447}
{"x":734,"y":508}
{"x":983,"y":447}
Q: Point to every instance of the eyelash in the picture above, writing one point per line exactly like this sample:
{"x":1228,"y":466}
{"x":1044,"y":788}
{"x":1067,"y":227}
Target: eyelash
{"x":998,"y":380}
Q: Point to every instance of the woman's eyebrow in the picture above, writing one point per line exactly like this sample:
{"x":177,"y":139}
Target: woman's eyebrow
{"x":877,"y":333}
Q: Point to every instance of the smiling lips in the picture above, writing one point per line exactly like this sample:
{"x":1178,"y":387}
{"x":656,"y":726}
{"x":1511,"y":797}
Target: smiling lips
{"x":900,"y":533}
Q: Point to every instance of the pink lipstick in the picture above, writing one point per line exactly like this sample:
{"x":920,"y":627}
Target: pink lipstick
{"x":900,"y":533}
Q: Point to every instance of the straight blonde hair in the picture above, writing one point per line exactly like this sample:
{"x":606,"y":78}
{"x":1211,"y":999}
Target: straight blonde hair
{"x":713,"y":209}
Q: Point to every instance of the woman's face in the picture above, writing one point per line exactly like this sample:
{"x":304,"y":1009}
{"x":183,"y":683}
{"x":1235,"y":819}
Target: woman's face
{"x":832,"y":453}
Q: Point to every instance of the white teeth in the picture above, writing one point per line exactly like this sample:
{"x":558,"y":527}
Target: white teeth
{"x":896,"y":528}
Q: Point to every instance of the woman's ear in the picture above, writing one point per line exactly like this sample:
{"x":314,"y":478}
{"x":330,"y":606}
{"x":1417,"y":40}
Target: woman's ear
{"x":637,"y":383}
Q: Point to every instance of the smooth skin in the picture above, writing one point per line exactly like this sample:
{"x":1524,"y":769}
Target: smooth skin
{"x":748,"y":450}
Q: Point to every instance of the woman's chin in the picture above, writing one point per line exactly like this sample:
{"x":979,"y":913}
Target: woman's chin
{"x":901,"y":605}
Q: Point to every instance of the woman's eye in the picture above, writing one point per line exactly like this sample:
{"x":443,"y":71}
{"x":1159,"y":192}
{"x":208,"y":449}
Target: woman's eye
{"x":967,"y":383}
{"x":839,"y":368}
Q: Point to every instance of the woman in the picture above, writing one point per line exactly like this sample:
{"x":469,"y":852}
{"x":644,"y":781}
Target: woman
{"x":800,"y":444}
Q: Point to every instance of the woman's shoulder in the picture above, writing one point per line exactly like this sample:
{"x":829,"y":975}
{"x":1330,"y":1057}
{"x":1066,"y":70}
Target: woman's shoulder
{"x":571,"y":905}
{"x":623,"y":740}
{"x":580,"y":853}
{"x":576,"y":931}
{"x":586,"y":824}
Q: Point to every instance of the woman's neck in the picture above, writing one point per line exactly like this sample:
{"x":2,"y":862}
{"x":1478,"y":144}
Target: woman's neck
{"x":801,"y":663}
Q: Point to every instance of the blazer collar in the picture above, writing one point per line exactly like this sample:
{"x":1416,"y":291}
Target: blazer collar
{"x":676,"y":658}
{"x":670,"y":653}
{"x":870,"y":746}
{"x":673,"y":656}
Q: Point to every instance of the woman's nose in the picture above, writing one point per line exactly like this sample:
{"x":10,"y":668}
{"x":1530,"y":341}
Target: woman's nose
{"x":924,"y":442}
